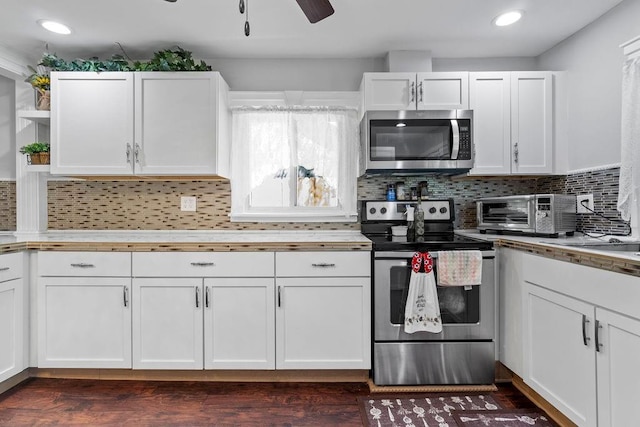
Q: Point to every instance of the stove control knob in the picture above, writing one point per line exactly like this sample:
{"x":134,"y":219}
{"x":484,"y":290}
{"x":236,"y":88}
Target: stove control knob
{"x":372,"y":211}
{"x":432,"y":210}
{"x":383,"y":211}
{"x":443,"y":210}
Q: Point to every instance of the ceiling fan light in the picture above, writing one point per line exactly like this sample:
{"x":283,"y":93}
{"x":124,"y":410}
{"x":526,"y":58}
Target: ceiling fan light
{"x":54,"y":27}
{"x":507,"y":18}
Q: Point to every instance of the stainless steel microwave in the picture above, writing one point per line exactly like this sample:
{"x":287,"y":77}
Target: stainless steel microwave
{"x":414,"y":142}
{"x":537,"y":214}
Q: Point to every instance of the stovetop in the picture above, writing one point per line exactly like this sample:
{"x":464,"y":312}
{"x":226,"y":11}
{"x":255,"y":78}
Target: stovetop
{"x":378,"y":216}
{"x":446,"y":242}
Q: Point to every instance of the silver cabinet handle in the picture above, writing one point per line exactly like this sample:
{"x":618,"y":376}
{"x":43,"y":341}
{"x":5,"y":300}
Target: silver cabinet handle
{"x":323,"y":265}
{"x":197,"y":296}
{"x":585,"y":338}
{"x":136,"y":153}
{"x":128,"y":153}
{"x":206,"y":297}
{"x":4,"y":268}
{"x":515,"y":153}
{"x":597,"y":333}
{"x":125,"y":296}
{"x":279,"y":297}
{"x":82,"y":265}
{"x":420,"y":91}
{"x":413,"y":92}
{"x":203,"y":264}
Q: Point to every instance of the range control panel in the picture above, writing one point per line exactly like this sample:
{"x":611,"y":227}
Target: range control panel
{"x":434,"y":210}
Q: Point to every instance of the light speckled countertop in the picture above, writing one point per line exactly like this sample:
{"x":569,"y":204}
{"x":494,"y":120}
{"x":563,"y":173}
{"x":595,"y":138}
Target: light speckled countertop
{"x":186,"y":240}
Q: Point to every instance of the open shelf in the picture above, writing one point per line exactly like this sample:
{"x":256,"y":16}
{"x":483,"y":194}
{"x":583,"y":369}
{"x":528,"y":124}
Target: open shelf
{"x":38,"y":116}
{"x":38,"y":168}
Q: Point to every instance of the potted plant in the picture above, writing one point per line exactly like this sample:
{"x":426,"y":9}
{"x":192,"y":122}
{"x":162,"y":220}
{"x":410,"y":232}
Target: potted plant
{"x":41,"y":82}
{"x":37,"y":153}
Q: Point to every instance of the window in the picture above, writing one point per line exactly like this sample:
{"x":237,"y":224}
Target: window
{"x":294,"y":164}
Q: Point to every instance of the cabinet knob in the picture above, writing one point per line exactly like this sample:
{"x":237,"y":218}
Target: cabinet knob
{"x":4,"y":268}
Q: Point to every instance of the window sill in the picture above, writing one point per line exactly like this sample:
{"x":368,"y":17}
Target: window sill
{"x":270,"y":217}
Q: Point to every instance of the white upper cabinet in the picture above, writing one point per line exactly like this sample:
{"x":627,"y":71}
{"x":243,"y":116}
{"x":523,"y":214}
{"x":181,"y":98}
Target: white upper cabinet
{"x":513,"y":122}
{"x":411,"y":91}
{"x":148,"y":123}
{"x":91,"y":123}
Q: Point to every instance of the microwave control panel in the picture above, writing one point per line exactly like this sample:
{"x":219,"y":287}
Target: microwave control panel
{"x":464,"y":152}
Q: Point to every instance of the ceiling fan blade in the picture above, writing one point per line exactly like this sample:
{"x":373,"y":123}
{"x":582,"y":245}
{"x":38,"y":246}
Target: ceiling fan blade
{"x":316,"y":10}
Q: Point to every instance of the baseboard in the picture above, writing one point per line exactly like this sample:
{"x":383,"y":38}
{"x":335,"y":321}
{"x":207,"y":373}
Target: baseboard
{"x":541,"y":403}
{"x":354,"y":375}
{"x":14,"y":381}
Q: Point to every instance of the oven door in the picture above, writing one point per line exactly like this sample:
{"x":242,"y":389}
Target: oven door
{"x":468,"y":313}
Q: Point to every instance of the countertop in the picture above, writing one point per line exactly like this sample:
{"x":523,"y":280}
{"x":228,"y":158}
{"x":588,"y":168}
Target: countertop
{"x":556,"y":247}
{"x":185,"y":240}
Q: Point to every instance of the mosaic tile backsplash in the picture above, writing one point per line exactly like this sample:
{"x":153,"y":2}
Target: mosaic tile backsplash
{"x":7,"y":206}
{"x":154,"y":205}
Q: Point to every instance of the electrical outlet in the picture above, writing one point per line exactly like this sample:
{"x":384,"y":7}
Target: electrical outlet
{"x":188,"y":204}
{"x":587,"y":199}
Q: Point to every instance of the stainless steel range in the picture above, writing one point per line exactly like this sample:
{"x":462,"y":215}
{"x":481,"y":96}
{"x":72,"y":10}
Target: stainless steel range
{"x":464,"y":352}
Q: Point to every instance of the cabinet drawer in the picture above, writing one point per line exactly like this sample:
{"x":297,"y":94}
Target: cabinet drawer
{"x":203,"y":264}
{"x":10,"y":266}
{"x":94,"y":264}
{"x":323,"y":264}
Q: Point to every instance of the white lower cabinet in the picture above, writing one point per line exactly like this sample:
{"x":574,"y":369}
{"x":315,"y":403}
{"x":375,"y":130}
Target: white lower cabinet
{"x":618,"y":374}
{"x":12,"y":328}
{"x":84,"y":322}
{"x":167,"y":323}
{"x":84,"y":317}
{"x":323,"y":315}
{"x":323,"y":323}
{"x":582,"y":340}
{"x":561,"y":360}
{"x":239,"y":323}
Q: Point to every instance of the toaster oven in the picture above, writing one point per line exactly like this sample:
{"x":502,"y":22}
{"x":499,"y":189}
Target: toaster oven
{"x":534,"y":214}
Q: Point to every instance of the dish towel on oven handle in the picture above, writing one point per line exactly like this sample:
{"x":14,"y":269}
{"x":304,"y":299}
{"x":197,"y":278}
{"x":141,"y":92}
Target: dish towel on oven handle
{"x":459,"y":268}
{"x":422,"y":312}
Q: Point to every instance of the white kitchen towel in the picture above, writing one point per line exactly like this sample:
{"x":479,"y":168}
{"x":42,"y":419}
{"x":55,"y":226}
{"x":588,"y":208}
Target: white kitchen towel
{"x":629,"y":182}
{"x":422,"y":312}
{"x":459,"y":268}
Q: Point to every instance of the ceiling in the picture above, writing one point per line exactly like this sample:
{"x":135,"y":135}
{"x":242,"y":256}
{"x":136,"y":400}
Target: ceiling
{"x":279,"y":29}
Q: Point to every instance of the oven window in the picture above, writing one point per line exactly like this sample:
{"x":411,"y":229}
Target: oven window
{"x":417,"y":140}
{"x":457,"y":305}
{"x":511,"y":212}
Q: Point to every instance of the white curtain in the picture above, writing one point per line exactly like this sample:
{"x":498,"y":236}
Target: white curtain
{"x":266,"y":140}
{"x":629,"y":191}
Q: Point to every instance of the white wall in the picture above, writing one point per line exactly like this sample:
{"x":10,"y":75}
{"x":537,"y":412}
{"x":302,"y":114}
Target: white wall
{"x":7,"y":129}
{"x":485,"y":64}
{"x":593,"y":62}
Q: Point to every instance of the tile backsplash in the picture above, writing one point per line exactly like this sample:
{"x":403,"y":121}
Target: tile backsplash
{"x":7,"y":206}
{"x":154,"y":205}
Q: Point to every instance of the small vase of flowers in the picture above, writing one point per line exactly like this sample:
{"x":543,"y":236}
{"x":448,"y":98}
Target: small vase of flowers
{"x":42,"y":84}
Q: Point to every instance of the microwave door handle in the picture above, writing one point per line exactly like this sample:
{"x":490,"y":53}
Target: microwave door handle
{"x":455,"y":130}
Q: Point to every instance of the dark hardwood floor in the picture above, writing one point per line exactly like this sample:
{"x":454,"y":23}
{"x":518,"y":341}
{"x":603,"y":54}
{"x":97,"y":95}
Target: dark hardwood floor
{"x":64,"y":402}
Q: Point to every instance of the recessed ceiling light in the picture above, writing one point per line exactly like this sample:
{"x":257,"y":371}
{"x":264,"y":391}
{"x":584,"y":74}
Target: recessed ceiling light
{"x":507,"y":18}
{"x":54,"y":27}
{"x":400,"y":125}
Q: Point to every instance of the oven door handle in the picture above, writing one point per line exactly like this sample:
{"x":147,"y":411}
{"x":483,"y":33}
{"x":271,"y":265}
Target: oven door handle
{"x":486,"y":254}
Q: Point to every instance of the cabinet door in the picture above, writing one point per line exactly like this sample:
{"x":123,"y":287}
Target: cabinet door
{"x":11,"y":328}
{"x":175,"y":123}
{"x":559,"y":356}
{"x":84,"y":322}
{"x":490,"y":100}
{"x":91,"y":123}
{"x":167,"y":323}
{"x":443,"y":91}
{"x":390,"y":91}
{"x":511,"y":288}
{"x":323,"y":323}
{"x":618,"y":373}
{"x":532,"y":122}
{"x":239,"y":323}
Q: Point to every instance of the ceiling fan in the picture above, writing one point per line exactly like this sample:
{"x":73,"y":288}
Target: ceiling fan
{"x":314,"y":10}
